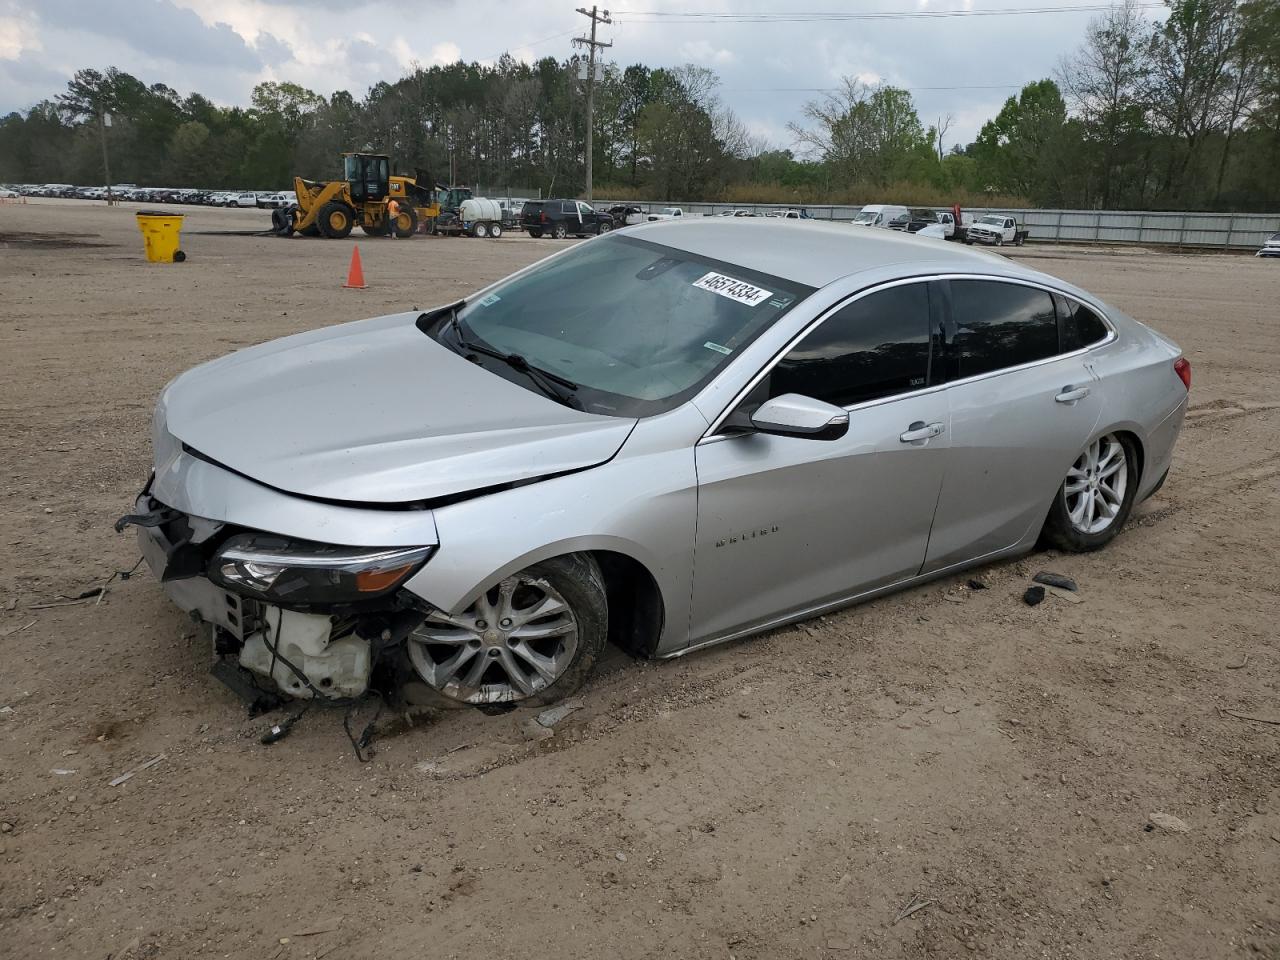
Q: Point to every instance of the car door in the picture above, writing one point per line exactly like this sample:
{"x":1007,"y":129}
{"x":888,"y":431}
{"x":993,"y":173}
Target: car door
{"x":1023,"y":405}
{"x":786,"y":524}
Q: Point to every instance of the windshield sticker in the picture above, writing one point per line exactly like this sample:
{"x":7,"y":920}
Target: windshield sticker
{"x":490,"y":300}
{"x":737,"y":290}
{"x":718,"y":348}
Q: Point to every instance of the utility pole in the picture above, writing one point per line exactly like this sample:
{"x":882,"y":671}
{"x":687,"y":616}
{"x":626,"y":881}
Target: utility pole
{"x":104,"y":121}
{"x":592,"y":43}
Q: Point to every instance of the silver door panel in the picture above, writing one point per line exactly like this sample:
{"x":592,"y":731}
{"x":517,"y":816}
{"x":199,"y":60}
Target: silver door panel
{"x":1012,"y":441}
{"x":786,"y":523}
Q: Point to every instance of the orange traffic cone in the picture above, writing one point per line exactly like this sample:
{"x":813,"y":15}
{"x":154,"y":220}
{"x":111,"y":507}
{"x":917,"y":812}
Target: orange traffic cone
{"x":355,"y":276}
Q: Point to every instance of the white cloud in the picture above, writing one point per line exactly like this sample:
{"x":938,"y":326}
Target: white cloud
{"x":18,"y":35}
{"x":446,"y":52}
{"x":775,"y":134}
{"x":703,"y":53}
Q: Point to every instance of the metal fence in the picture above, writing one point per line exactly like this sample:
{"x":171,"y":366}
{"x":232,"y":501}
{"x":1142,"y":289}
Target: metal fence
{"x":1149,"y":228}
{"x":507,"y":192}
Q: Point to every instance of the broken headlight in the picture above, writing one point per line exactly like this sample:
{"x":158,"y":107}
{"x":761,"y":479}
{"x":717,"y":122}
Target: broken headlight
{"x":298,"y":572}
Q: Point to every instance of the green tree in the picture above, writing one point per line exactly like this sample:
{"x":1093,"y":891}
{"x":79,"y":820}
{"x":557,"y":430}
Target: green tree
{"x":189,"y":157}
{"x":1024,"y":148}
{"x":869,"y":136}
{"x":1104,"y":81}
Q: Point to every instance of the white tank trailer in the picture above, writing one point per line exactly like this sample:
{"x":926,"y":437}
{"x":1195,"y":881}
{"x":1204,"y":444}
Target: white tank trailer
{"x":476,"y":217}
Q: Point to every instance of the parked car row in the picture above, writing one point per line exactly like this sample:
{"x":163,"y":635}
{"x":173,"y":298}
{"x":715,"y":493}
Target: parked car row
{"x":130,"y":191}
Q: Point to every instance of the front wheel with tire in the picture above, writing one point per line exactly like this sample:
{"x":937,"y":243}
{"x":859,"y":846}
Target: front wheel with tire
{"x":480,"y":230}
{"x":336,"y":220}
{"x":559,"y":231}
{"x":531,"y":639}
{"x":1094,"y":501}
{"x":603,"y":228}
{"x":405,"y":223}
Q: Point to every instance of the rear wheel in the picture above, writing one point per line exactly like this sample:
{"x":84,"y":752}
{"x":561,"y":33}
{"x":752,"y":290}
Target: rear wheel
{"x":495,"y":231}
{"x":480,"y":230}
{"x":405,"y":223}
{"x":336,"y":220}
{"x":535,"y":232}
{"x":531,"y":639}
{"x":1094,"y":501}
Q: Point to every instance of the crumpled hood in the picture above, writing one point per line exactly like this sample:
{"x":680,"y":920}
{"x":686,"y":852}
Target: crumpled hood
{"x":377,"y":412}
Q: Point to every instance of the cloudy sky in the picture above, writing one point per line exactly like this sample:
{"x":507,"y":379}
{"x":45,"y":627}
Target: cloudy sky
{"x":963,"y":66}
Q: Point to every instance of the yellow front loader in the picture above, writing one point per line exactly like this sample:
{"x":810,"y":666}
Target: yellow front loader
{"x":332,"y":208}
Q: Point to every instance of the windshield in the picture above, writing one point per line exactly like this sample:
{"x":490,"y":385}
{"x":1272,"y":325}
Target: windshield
{"x":866,"y":216}
{"x":638,"y":327}
{"x":669,"y":210}
{"x":993,"y":220}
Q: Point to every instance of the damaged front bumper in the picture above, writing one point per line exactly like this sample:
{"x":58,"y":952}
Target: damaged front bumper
{"x":265,"y":649}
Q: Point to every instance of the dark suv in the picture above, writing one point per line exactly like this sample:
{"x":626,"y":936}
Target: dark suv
{"x":560,"y":218}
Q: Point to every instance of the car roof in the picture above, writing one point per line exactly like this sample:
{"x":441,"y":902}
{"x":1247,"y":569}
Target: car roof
{"x":814,"y":254}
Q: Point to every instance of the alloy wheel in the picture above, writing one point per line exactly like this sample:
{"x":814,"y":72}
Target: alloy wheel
{"x":1095,"y":486}
{"x":516,"y":640}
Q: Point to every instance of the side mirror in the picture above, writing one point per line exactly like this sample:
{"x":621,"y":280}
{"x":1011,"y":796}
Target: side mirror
{"x":792,"y":415}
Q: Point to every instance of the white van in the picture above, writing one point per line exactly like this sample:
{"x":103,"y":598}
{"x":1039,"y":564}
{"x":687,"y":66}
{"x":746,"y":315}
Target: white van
{"x":882,"y":215}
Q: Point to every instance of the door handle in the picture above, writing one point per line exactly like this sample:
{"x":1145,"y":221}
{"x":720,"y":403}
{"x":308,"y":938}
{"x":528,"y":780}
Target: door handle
{"x":1071,"y":394}
{"x":921,"y":431}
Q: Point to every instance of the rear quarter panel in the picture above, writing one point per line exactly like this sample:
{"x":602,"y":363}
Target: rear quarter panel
{"x":1141,"y":392}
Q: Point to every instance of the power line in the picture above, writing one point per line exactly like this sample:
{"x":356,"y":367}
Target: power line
{"x":533,"y":42}
{"x":985,"y":86}
{"x":693,"y":16}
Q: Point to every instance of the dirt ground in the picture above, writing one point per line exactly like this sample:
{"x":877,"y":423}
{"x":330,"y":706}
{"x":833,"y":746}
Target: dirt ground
{"x":787,"y":796}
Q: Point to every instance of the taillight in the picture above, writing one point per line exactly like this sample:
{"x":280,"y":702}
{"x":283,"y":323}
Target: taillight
{"x":543,"y":216}
{"x":1182,"y":367}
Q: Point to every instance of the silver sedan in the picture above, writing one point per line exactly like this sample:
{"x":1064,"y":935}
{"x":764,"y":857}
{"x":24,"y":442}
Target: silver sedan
{"x":665,"y":438}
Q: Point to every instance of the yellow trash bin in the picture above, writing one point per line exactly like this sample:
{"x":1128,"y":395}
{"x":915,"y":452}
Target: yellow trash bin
{"x":160,"y":234}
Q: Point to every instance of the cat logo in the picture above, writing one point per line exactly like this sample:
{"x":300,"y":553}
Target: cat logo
{"x":746,"y":535}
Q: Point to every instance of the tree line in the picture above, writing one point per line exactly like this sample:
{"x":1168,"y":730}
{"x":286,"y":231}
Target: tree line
{"x":1183,"y":113}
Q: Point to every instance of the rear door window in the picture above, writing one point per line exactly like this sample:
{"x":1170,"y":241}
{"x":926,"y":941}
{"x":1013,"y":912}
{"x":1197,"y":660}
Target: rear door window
{"x":873,"y":348}
{"x":1080,"y":326}
{"x":998,"y":325}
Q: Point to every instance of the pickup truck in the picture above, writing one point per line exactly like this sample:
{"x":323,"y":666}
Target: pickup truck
{"x":941,"y":225}
{"x":627,"y":214}
{"x":995,"y":229}
{"x":667,"y":213}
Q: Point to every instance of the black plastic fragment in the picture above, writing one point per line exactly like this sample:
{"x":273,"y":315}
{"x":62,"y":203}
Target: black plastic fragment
{"x":977,"y":585}
{"x":1056,"y":580}
{"x":1033,"y":596}
{"x":243,"y":684}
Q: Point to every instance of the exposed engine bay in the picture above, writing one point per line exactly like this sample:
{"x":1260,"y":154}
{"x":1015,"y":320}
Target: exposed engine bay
{"x":267,"y":651}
